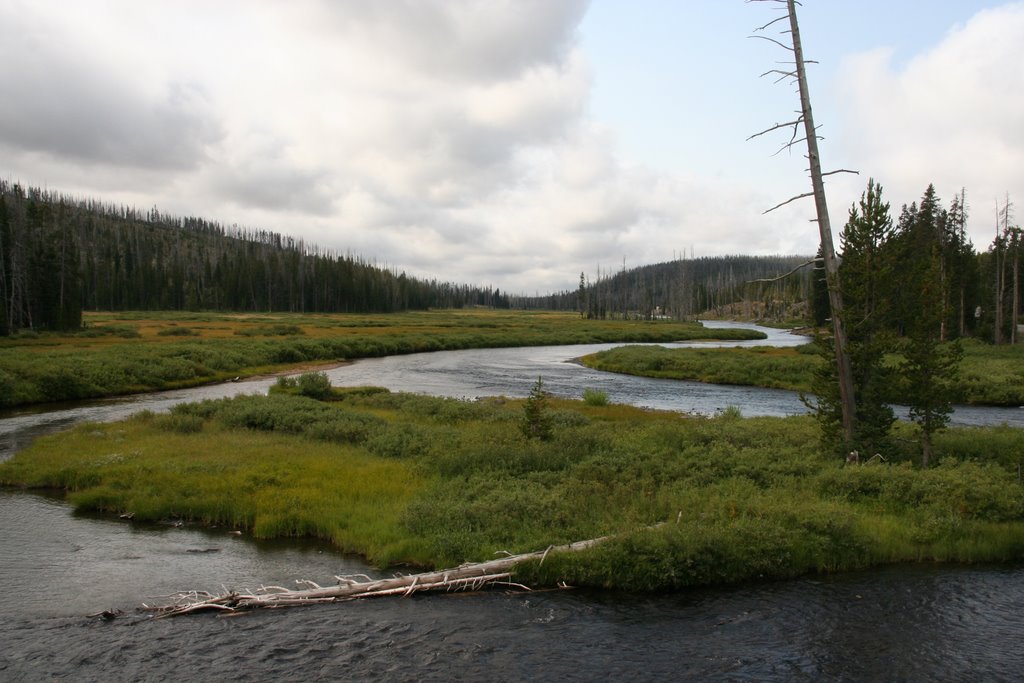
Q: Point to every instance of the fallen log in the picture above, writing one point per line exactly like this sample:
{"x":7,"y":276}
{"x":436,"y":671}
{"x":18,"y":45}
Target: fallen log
{"x":470,"y":576}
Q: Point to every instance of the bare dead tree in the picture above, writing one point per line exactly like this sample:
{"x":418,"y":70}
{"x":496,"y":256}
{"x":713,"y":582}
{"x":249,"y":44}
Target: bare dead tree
{"x":810,"y":138}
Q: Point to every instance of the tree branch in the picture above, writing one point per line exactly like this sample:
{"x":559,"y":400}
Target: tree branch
{"x":772,"y":40}
{"x":791,"y":199}
{"x":789,"y":144}
{"x":840,"y":170}
{"x":784,"y":17}
{"x":782,"y":277}
{"x":776,"y":127}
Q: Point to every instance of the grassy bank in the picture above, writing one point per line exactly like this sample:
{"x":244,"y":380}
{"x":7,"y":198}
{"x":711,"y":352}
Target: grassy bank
{"x":122,"y":353}
{"x":989,"y":375}
{"x":429,"y":481}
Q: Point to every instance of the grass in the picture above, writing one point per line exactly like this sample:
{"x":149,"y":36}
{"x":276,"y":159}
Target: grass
{"x":775,"y":368}
{"x":122,"y":353}
{"x":429,"y":481}
{"x":989,"y":375}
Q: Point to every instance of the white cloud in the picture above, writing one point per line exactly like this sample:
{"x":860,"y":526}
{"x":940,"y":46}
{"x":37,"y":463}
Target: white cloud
{"x":448,"y":138}
{"x":952,"y":116}
{"x":63,"y":101}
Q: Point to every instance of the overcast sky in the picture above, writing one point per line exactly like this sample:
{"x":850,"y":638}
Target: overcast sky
{"x":512,"y":143}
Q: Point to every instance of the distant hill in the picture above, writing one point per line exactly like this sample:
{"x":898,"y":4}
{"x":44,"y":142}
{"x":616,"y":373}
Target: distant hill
{"x":685,"y":288}
{"x":61,"y":255}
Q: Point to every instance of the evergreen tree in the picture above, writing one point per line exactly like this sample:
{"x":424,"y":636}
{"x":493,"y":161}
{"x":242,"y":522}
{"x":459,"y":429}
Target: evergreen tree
{"x":5,"y":268}
{"x":962,"y":266}
{"x":536,"y":419}
{"x":820,"y":308}
{"x":581,"y":295}
{"x":930,"y":366}
{"x":865,"y":275}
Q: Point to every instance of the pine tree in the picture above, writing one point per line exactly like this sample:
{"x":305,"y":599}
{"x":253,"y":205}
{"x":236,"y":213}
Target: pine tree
{"x":930,"y":366}
{"x":865,"y":275}
{"x":536,"y":419}
{"x":820,"y":311}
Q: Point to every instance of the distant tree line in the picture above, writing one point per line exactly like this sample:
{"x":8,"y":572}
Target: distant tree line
{"x":683,"y":288}
{"x":60,"y":255}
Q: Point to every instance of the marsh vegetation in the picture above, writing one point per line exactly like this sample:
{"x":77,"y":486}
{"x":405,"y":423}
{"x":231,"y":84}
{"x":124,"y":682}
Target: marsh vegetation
{"x":989,"y":375}
{"x":123,"y":353}
{"x":414,"y":480}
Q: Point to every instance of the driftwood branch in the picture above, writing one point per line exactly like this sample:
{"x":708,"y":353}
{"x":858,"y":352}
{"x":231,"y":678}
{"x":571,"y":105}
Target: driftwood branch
{"x":473,"y":576}
{"x":783,"y":276}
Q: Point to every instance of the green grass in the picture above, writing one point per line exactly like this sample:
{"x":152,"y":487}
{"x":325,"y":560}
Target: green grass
{"x":992,"y":375}
{"x":165,"y":353}
{"x":428,"y":481}
{"x":776,"y":368}
{"x":989,"y":375}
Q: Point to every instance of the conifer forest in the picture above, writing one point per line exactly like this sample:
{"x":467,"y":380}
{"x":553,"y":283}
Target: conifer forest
{"x":61,"y":255}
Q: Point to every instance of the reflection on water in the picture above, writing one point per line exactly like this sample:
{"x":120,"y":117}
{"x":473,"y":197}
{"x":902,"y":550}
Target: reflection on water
{"x":105,"y":562}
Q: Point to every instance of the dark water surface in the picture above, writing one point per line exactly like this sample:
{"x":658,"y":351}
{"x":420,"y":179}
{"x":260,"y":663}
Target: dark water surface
{"x":914,"y":624}
{"x":56,"y":568}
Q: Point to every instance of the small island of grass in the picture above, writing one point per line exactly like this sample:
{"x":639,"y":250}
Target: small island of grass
{"x":413,"y":480}
{"x":989,"y":375}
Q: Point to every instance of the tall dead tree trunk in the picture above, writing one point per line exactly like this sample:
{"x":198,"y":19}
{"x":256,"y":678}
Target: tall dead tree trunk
{"x":1015,"y":310}
{"x":835,"y":298}
{"x":844,"y":370}
{"x":1000,"y":259}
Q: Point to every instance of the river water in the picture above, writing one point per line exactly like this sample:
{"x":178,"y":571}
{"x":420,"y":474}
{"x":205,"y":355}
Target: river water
{"x":56,"y":568}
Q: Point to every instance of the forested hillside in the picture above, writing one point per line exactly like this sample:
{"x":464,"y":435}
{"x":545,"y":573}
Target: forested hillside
{"x":733,"y":285}
{"x":60,"y":255}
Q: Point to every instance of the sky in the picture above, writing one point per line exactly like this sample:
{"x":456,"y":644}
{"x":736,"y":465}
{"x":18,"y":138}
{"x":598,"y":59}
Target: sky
{"x":510,"y":143}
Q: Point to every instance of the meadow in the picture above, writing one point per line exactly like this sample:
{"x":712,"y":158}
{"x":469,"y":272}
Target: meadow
{"x":989,"y":375}
{"x":132,"y":352}
{"x":431,"y":482}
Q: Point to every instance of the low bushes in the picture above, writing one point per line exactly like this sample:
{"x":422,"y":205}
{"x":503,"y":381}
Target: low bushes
{"x":989,"y":375}
{"x":407,"y":478}
{"x":97,"y":362}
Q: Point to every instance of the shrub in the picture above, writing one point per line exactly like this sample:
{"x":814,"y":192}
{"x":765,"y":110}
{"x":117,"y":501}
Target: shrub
{"x":400,"y":441}
{"x":181,"y":423}
{"x":595,"y":397}
{"x":178,"y":332}
{"x":536,"y":419}
{"x":731,"y":413}
{"x":285,"y":384}
{"x":314,"y":385}
{"x":271,"y":331}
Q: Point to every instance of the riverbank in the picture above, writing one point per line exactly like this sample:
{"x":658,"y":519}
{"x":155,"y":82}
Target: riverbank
{"x":134,"y":352}
{"x":989,"y":375}
{"x":413,"y":480}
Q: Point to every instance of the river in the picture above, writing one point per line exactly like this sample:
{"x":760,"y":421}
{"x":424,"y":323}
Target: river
{"x":472,"y":373}
{"x":902,"y":623}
